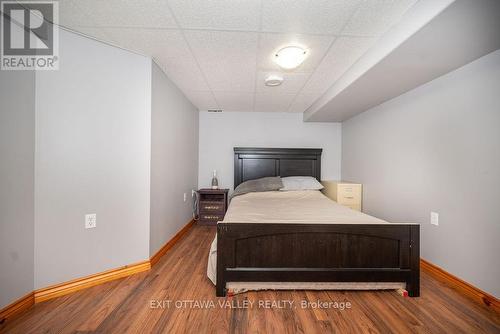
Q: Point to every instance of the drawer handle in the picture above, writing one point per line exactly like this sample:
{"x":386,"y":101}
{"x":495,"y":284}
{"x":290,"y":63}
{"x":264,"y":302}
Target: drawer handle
{"x":211,"y":207}
{"x":210,"y":217}
{"x":349,"y":197}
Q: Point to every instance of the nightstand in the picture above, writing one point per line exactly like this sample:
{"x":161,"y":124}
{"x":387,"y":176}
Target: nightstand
{"x":212,"y":205}
{"x":345,"y":193}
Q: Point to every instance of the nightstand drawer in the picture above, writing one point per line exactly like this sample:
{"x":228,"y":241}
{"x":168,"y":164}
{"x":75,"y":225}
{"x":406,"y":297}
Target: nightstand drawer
{"x":347,"y":201}
{"x":349,"y":191}
{"x":212,"y":207}
{"x":356,"y":207}
{"x":211,"y":218}
{"x":349,"y":194}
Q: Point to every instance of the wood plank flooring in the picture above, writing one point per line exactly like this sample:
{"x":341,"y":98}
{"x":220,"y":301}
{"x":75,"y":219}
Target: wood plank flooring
{"x":124,"y":306}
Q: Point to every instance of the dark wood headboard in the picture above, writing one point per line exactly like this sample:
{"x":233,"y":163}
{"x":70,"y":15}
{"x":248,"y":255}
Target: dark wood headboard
{"x":253,"y":163}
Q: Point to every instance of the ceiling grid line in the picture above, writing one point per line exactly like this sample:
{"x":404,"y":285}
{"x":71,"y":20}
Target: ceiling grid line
{"x":192,"y":54}
{"x":219,"y":52}
{"x":324,"y":56}
{"x":258,"y":49}
{"x":230,"y":30}
{"x":367,"y":49}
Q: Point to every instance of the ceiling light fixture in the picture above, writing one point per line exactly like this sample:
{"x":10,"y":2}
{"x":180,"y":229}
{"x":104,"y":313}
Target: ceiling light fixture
{"x":273,"y":80}
{"x":290,"y":57}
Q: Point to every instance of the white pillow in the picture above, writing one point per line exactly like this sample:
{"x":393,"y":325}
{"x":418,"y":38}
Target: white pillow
{"x":300,"y":183}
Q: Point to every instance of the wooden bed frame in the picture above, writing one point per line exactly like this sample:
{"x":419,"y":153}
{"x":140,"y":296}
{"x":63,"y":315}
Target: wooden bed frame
{"x":310,"y":252}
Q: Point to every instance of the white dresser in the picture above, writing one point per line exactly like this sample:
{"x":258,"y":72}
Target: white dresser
{"x":344,"y":193}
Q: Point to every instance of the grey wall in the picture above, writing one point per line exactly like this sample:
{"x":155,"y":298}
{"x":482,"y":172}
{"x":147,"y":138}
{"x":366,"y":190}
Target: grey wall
{"x":81,"y":140}
{"x":436,"y":148}
{"x":220,"y":132}
{"x":174,"y":159}
{"x":17,"y":152}
{"x":93,"y":136}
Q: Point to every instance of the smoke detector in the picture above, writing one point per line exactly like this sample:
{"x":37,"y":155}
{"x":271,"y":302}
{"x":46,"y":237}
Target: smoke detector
{"x":273,"y":80}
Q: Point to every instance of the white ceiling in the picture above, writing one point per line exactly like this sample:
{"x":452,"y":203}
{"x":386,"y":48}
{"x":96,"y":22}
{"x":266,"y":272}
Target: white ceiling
{"x":463,"y":31}
{"x":219,"y":51}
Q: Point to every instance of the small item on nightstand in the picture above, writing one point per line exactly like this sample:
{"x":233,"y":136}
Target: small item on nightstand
{"x":215,"y":182}
{"x":212,"y":205}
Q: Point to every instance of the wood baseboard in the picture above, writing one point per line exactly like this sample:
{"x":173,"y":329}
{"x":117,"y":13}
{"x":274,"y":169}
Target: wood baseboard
{"x":461,"y":285}
{"x":89,"y":281}
{"x":106,"y":276}
{"x":18,"y":306}
{"x":65,"y":288}
{"x":157,"y":256}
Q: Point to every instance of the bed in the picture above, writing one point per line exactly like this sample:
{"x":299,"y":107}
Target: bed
{"x":304,"y":240}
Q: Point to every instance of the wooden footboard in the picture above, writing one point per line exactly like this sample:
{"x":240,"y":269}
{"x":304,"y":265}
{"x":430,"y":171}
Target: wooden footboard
{"x":318,"y":253}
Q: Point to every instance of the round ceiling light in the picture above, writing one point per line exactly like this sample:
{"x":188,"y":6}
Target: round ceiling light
{"x":290,"y":57}
{"x":273,"y":80}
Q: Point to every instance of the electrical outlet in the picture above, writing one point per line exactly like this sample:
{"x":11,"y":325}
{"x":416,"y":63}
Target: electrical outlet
{"x":435,"y":218}
{"x":192,"y":192}
{"x":90,"y":220}
{"x":185,"y":197}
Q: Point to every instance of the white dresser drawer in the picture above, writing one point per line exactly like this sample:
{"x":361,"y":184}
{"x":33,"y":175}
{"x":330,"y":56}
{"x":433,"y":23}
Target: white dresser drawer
{"x":356,"y":207}
{"x":349,"y":194}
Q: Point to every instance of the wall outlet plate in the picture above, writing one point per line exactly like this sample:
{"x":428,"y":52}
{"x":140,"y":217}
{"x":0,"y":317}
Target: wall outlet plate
{"x":185,"y":197}
{"x":434,"y":218}
{"x":90,"y":220}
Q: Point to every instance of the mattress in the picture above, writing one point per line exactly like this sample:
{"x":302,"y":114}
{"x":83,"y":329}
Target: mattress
{"x":300,"y":207}
{"x":309,"y":206}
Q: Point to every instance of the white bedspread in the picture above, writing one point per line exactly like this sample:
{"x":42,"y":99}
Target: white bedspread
{"x":309,"y":206}
{"x":291,"y":207}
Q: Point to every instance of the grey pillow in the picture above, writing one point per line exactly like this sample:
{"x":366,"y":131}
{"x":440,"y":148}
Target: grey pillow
{"x":270,"y":183}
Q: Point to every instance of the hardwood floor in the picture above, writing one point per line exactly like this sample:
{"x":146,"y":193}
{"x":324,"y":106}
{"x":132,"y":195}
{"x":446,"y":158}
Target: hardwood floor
{"x":124,"y":306}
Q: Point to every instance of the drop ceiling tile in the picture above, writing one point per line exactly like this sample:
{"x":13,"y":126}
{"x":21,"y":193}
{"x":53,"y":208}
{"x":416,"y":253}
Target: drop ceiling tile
{"x":233,"y":64}
{"x":117,"y":13}
{"x":229,"y":77}
{"x":97,"y":33}
{"x":228,"y":59}
{"x":292,"y":82}
{"x":313,"y":16}
{"x":217,"y":14}
{"x":202,"y":100}
{"x":345,"y":51}
{"x":374,"y":17}
{"x":302,"y":102}
{"x":222,"y":46}
{"x":71,"y":14}
{"x":270,"y":43}
{"x":137,"y":40}
{"x":185,"y":74}
{"x":167,"y":47}
{"x":272,"y":102}
{"x":234,"y":101}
